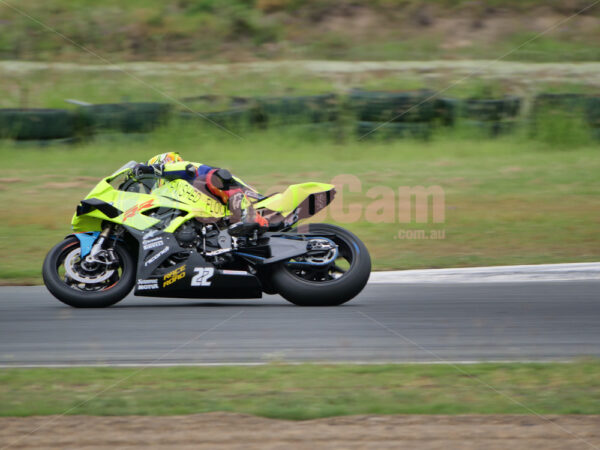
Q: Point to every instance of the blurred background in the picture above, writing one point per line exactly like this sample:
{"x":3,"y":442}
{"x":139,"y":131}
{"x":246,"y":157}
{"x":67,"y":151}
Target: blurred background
{"x":495,"y":101}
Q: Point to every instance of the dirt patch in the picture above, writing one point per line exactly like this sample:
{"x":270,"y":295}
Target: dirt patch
{"x":86,"y":178}
{"x":233,"y":431}
{"x":511,"y":169}
{"x":65,"y":185}
{"x":10,"y":180}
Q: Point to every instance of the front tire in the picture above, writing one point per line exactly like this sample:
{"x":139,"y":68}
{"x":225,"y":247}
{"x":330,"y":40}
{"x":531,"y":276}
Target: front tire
{"x":322,"y":289}
{"x":111,"y":286}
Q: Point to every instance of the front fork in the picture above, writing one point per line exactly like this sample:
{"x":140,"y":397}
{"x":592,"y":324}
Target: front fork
{"x":101,"y":252}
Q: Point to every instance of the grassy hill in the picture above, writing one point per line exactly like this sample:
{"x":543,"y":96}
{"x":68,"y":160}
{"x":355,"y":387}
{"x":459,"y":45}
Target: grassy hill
{"x":239,"y":30}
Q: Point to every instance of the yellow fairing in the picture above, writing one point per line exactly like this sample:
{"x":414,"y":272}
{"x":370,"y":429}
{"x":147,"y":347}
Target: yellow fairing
{"x":177,"y":194}
{"x":287,"y":201}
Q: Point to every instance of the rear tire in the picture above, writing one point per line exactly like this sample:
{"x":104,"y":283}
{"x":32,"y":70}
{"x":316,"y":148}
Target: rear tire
{"x":303,"y":292}
{"x":78,"y":298}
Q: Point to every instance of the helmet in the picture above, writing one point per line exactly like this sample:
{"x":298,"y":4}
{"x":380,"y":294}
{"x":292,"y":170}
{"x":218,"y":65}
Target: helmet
{"x":165,"y":158}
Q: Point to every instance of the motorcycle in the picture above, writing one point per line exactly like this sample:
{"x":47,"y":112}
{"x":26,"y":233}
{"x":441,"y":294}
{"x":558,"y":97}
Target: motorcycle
{"x":169,"y":239}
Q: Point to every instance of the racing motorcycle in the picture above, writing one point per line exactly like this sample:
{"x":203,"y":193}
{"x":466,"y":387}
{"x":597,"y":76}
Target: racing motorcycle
{"x":168,"y":239}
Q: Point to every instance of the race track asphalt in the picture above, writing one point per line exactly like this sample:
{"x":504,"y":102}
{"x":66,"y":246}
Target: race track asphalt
{"x":386,"y":323}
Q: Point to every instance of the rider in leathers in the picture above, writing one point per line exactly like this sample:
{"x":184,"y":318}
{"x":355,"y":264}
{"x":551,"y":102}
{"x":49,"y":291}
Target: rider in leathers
{"x":213,"y":181}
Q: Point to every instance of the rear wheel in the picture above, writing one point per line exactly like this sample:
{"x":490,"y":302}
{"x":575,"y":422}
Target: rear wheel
{"x":327,"y":277}
{"x":80,"y":284}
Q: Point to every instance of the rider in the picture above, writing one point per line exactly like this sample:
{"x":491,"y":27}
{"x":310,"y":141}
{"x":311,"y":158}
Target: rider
{"x":216,"y":181}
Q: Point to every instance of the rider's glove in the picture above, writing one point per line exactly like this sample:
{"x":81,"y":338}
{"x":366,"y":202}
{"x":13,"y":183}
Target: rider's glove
{"x":191,"y":171}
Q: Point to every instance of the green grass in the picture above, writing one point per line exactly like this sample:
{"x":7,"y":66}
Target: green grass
{"x":49,"y":87}
{"x":250,"y":29}
{"x":305,"y":391}
{"x":45,"y":85}
{"x":507,"y":201}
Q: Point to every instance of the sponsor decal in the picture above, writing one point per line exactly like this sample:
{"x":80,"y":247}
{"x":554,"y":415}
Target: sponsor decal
{"x":137,"y":208}
{"x":214,"y":207}
{"x":153,"y":243}
{"x":202,"y":276}
{"x":150,"y":234}
{"x":144,"y":285}
{"x":173,"y":276}
{"x":187,"y":192}
{"x":156,"y":256}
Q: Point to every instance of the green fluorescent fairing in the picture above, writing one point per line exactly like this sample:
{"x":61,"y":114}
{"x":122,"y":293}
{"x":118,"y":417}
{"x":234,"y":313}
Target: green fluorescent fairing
{"x":174,"y":194}
{"x":287,"y":201}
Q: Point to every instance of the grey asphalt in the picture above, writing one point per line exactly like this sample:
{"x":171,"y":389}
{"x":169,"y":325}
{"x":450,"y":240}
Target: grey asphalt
{"x":387,"y":322}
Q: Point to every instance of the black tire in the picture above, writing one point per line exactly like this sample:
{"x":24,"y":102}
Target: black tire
{"x":302,"y":292}
{"x":87,"y":299}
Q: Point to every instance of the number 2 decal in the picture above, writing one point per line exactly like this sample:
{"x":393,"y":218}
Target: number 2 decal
{"x":202,"y":276}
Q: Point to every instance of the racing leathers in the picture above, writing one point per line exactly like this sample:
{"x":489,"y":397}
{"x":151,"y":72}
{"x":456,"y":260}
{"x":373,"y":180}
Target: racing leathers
{"x":218,"y":183}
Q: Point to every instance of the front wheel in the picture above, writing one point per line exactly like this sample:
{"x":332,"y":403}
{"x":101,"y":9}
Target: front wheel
{"x":326,"y":279}
{"x":87,"y":285}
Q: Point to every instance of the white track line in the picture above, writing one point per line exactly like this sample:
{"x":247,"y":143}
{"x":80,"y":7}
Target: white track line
{"x":497,"y":274}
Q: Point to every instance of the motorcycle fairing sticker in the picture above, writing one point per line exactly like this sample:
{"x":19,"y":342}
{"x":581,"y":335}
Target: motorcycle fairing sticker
{"x":153,"y":243}
{"x":156,"y":255}
{"x":202,"y":276}
{"x":145,"y":284}
{"x":174,"y":276}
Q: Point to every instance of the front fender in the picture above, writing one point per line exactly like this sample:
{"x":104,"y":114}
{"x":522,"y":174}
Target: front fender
{"x":86,"y":241}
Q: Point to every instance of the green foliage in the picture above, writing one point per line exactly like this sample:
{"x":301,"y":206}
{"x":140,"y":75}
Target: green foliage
{"x":562,"y":129}
{"x":548,"y":49}
{"x":236,"y":29}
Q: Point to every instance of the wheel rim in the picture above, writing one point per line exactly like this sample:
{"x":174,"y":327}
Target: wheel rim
{"x":333,"y":270}
{"x":83,"y":276}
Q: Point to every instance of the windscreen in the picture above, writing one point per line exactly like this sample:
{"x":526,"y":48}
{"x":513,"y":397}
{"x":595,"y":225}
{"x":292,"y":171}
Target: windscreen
{"x":129,"y":165}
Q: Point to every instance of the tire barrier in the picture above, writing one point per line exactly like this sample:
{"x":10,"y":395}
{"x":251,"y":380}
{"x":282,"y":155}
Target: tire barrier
{"x":447,"y":110}
{"x":592,"y":112}
{"x":492,"y":116}
{"x":389,"y":115}
{"x":387,"y":130}
{"x":235,"y":113}
{"x":485,"y":110}
{"x":233,"y":118}
{"x":38,"y":124}
{"x":381,"y":106}
{"x":295,"y":110}
{"x":126,"y":117}
{"x":392,"y":114}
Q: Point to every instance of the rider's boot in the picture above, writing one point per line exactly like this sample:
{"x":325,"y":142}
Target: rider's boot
{"x":248,"y":226}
